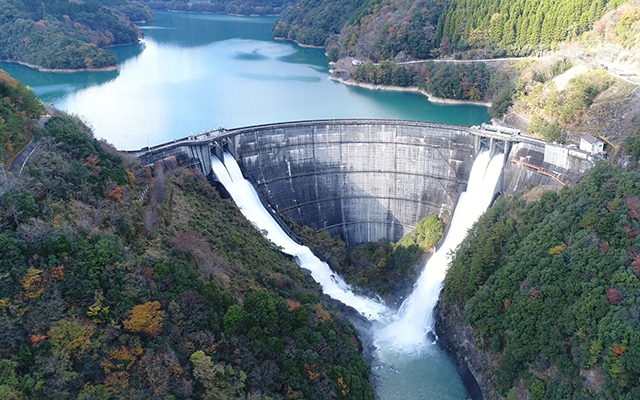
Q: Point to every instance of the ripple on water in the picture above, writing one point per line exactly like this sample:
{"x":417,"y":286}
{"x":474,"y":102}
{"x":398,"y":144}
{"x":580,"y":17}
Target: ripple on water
{"x":284,"y":78}
{"x":252,"y":56}
{"x":426,"y":374}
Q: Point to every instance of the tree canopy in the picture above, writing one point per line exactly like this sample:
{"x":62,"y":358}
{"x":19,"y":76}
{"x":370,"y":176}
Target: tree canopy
{"x":62,"y":34}
{"x":551,"y":288}
{"x":120,"y":281}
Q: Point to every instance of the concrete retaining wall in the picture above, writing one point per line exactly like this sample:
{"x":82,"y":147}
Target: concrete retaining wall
{"x":517,"y":176}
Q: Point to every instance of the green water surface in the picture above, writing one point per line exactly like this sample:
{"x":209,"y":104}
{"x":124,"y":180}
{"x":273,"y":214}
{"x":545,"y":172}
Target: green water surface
{"x":195,"y":72}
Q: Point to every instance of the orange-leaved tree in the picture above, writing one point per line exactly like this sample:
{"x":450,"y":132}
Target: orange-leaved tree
{"x":145,"y":318}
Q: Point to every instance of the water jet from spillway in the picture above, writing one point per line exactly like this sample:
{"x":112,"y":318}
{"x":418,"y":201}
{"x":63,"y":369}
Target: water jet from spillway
{"x":249,"y":203}
{"x":409,"y":332}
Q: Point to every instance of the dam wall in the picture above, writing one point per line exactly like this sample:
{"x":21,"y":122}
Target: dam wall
{"x":364,"y":180}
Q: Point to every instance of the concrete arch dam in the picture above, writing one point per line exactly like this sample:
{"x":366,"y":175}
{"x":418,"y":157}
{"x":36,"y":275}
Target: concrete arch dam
{"x":367,"y":179}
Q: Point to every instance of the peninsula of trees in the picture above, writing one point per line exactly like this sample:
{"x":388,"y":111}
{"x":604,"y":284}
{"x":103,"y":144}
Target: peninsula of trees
{"x":65,"y":35}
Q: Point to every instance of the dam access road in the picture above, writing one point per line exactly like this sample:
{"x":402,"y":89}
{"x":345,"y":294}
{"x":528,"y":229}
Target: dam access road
{"x":368,"y":179}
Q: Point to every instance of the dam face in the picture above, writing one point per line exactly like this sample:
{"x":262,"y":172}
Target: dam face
{"x":361,"y":181}
{"x":364,"y":180}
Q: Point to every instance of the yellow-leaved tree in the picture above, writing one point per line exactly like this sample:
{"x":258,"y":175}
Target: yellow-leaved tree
{"x":145,"y":318}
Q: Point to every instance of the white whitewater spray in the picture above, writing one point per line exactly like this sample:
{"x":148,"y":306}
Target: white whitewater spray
{"x":408,"y":333}
{"x":249,"y":203}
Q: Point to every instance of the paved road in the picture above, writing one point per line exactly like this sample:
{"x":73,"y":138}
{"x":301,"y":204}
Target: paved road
{"x":483,"y":60}
{"x":21,"y":159}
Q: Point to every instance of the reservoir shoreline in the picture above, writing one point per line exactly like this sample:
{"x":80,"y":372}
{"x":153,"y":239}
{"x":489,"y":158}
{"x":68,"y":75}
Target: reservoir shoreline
{"x":306,"y":46}
{"x":64,"y":70}
{"x":409,"y":89}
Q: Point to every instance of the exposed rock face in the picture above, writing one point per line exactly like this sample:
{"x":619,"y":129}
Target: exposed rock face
{"x":475,"y":366}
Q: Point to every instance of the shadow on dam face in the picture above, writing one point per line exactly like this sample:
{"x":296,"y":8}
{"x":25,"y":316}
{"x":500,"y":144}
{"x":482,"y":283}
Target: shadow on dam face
{"x":361,"y":181}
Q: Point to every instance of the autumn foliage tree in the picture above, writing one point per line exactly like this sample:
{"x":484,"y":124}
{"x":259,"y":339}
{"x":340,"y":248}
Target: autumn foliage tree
{"x":116,"y":194}
{"x":145,"y":318}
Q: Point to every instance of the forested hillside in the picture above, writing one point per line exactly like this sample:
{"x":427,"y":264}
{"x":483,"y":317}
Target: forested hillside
{"x":315,"y":22}
{"x":518,"y":27}
{"x":418,"y":29}
{"x":243,"y":7}
{"x":121,"y":282}
{"x":61,"y":34}
{"x":550,"y":288}
{"x":18,"y":107}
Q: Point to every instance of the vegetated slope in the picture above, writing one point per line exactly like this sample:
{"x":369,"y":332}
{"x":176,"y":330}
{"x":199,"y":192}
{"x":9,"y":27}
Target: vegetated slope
{"x":585,"y":105}
{"x":517,"y":27}
{"x":550,"y":289}
{"x":61,"y":34}
{"x":135,"y":11}
{"x":244,"y":7}
{"x":402,"y":29}
{"x":382,"y":268}
{"x":621,"y":28}
{"x":119,"y":283}
{"x":18,"y":107}
{"x":316,"y":22}
{"x":593,"y":93}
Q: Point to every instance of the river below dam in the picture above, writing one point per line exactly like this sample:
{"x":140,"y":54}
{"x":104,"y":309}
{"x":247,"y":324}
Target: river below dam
{"x":195,"y":72}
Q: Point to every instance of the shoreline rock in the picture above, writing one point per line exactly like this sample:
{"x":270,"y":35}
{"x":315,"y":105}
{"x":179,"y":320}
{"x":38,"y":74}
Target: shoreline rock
{"x":409,"y":89}
{"x":63,"y":70}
